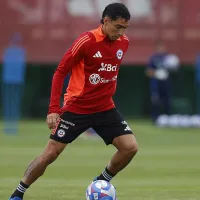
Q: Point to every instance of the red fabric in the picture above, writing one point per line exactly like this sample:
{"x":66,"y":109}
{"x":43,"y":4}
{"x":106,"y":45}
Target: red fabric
{"x":94,"y":63}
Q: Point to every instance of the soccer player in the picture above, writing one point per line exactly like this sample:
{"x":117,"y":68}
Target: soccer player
{"x":93,"y":60}
{"x":160,"y":80}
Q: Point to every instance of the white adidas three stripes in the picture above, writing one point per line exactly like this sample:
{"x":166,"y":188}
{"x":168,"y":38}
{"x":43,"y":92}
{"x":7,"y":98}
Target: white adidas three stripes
{"x":21,"y":189}
{"x":97,"y":55}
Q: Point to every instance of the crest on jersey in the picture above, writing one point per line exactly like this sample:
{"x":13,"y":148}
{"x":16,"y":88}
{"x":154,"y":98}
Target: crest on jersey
{"x":119,"y":54}
{"x":61,"y":133}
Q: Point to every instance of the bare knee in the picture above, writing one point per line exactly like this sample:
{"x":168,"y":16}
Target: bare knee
{"x":126,"y":144}
{"x":130,"y":149}
{"x":51,"y":152}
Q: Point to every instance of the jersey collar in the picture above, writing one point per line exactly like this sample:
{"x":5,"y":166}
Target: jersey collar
{"x":100,"y":32}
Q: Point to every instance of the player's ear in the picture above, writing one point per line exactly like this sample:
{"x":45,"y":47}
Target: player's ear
{"x":105,"y":20}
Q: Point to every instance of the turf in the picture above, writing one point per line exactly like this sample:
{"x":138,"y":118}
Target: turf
{"x":167,"y":166}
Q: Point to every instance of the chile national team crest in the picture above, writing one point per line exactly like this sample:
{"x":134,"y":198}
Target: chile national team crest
{"x":119,"y":54}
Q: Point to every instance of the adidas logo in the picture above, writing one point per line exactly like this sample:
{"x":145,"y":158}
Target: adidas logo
{"x":97,"y":55}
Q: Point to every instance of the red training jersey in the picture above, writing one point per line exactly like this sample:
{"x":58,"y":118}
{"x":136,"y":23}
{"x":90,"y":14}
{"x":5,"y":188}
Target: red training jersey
{"x":93,"y":61}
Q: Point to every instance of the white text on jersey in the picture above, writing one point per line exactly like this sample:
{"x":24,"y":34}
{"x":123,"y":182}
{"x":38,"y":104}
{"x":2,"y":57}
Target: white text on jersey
{"x":107,"y":67}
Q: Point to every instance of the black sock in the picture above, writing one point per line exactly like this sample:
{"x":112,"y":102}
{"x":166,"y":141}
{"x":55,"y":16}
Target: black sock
{"x":21,"y":189}
{"x":106,"y":175}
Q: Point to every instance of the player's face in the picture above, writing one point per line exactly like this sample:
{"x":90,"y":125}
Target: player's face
{"x":160,"y":48}
{"x":115,"y":28}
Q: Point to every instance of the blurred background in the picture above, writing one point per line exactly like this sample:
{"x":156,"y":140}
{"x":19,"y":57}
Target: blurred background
{"x":47,"y":28}
{"x":35,"y":34}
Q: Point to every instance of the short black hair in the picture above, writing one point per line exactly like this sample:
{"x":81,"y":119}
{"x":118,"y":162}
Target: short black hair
{"x":115,"y":11}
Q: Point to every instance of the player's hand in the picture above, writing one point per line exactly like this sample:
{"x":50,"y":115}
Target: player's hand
{"x":150,"y":73}
{"x":52,"y":119}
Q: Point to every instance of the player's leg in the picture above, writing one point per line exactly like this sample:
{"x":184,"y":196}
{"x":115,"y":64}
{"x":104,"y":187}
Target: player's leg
{"x":155,"y":105}
{"x":6,"y":98}
{"x":38,"y":166}
{"x":126,"y":149}
{"x":155,"y":99}
{"x":15,"y":107}
{"x":114,"y":130}
{"x":68,"y":128}
{"x":166,"y":99}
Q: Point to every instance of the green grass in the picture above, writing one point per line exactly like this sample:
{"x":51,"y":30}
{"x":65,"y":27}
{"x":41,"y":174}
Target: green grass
{"x":167,"y":166}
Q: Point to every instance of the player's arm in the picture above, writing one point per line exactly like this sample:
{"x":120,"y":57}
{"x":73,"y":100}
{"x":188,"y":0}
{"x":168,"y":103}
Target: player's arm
{"x":72,"y":57}
{"x":150,"y":70}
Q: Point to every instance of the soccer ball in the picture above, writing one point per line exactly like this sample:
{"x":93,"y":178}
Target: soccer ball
{"x":101,"y":190}
{"x":172,"y":62}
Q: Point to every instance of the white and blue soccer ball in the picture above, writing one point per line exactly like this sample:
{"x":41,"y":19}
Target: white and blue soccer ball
{"x":101,"y":190}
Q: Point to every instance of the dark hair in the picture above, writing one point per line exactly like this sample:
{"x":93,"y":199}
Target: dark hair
{"x":115,"y":11}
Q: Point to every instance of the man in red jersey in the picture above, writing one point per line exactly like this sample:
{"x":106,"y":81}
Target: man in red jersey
{"x":93,"y":60}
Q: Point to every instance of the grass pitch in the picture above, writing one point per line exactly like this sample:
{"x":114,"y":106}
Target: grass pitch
{"x":167,"y":166}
